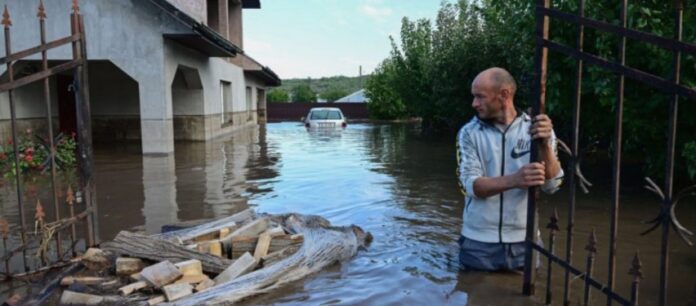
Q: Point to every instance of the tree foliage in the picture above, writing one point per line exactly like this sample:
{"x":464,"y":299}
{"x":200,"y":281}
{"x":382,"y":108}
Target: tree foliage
{"x":429,"y":72}
{"x":333,"y":94}
{"x":278,"y":95}
{"x":303,"y":93}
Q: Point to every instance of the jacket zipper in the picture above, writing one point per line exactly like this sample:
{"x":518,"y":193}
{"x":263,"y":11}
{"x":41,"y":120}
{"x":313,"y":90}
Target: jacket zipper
{"x":502,"y":173}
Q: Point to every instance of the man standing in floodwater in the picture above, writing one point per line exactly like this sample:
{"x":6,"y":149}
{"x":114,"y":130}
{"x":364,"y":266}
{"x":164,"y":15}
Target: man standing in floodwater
{"x":495,"y":172}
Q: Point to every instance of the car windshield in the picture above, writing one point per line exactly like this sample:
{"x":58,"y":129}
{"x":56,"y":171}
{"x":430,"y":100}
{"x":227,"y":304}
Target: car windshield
{"x":325,"y":115}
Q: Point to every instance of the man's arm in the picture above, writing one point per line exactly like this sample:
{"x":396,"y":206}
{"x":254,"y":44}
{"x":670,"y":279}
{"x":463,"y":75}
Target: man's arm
{"x":529,"y":175}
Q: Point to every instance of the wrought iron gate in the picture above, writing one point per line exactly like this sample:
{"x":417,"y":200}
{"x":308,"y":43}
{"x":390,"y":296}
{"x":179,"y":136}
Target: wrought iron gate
{"x":62,"y":224}
{"x":669,"y":198}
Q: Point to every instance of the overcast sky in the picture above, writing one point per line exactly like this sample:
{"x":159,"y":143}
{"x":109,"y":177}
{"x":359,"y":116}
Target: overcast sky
{"x":321,"y":38}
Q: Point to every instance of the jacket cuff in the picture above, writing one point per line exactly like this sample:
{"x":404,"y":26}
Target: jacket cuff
{"x":552,"y":185}
{"x":469,"y":186}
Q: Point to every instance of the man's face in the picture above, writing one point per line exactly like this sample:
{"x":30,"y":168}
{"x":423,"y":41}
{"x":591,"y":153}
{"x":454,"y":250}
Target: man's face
{"x":487,"y":101}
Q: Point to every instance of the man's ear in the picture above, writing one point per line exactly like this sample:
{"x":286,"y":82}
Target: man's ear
{"x":504,"y":94}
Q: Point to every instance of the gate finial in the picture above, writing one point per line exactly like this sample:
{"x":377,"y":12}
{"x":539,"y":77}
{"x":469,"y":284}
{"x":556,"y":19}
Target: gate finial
{"x":6,"y":18}
{"x":636,"y":266}
{"x":42,"y":11}
{"x":553,"y":221}
{"x":75,"y":7}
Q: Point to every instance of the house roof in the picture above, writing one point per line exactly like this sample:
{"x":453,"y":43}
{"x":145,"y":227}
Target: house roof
{"x":204,"y":39}
{"x":253,"y":67}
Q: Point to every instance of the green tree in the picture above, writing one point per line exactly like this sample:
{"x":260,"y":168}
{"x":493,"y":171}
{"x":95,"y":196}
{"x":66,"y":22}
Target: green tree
{"x":333,"y":94}
{"x":278,"y":95}
{"x":385,"y":102}
{"x":303,"y":93}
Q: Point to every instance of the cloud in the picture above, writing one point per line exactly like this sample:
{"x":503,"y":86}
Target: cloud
{"x":374,"y":12}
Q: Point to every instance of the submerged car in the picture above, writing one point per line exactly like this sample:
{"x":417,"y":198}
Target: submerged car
{"x":325,"y":117}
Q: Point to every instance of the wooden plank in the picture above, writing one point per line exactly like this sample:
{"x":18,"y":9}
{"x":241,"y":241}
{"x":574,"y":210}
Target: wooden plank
{"x":277,"y":231}
{"x":40,"y":75}
{"x":84,"y":280}
{"x":262,"y":246}
{"x":177,"y":291}
{"x":95,"y":259}
{"x":279,"y":255}
{"x":251,"y":229}
{"x":192,"y":279}
{"x":129,"y":265}
{"x":240,"y":266}
{"x":161,"y":274}
{"x":137,"y":245}
{"x":75,"y":298}
{"x":205,"y":284}
{"x":50,"y":45}
{"x":240,"y":245}
{"x":130,"y":288}
{"x":190,"y":267}
{"x":156,"y":300}
{"x":214,"y":226}
{"x":213,"y":247}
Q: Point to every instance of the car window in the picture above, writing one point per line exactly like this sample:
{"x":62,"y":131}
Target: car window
{"x":325,"y":115}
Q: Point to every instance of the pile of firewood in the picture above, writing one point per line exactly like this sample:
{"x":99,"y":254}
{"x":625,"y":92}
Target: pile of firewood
{"x":141,"y":269}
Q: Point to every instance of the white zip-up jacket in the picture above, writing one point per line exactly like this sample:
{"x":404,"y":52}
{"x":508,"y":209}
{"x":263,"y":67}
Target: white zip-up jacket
{"x":484,"y":150}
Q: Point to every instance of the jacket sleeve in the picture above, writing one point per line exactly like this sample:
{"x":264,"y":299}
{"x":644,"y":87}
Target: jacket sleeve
{"x":470,"y":167}
{"x":552,"y":185}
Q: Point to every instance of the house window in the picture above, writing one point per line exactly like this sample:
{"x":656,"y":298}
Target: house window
{"x":226,"y":101}
{"x":249,"y":105}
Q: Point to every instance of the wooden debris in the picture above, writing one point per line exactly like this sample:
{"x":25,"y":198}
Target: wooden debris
{"x":278,"y":255}
{"x":75,"y":298}
{"x":276,"y":231}
{"x":205,"y":284}
{"x":136,"y":277}
{"x":156,"y":300}
{"x":213,"y":247}
{"x":161,"y":274}
{"x":190,"y":267}
{"x":110,"y":284}
{"x":95,"y":259}
{"x":206,"y":237}
{"x":214,"y":226}
{"x":251,"y":229}
{"x":177,"y":291}
{"x":84,"y":280}
{"x":192,"y":279}
{"x":244,"y":264}
{"x":240,"y":245}
{"x":262,"y":246}
{"x":137,"y":245}
{"x":129,"y":265}
{"x":130,"y":288}
{"x":224,"y":232}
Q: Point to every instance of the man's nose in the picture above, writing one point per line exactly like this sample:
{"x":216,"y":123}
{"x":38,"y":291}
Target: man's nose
{"x":475,"y":103}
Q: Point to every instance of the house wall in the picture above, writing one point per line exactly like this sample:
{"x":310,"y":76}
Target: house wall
{"x":194,"y":8}
{"x":150,"y":61}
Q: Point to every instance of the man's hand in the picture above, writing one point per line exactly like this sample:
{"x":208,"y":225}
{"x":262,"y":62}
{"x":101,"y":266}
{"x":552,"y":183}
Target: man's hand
{"x":532,"y":174}
{"x":541,"y":128}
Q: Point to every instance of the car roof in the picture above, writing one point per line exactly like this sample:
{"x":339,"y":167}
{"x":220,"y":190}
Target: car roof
{"x":325,"y":108}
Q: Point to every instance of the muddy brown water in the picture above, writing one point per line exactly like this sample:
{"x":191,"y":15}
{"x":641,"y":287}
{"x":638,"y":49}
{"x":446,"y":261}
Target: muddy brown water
{"x":392,"y":182}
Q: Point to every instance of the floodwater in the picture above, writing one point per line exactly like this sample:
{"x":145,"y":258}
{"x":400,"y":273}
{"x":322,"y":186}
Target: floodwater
{"x":390,"y":181}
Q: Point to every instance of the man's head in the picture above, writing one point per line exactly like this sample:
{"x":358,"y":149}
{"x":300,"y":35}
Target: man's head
{"x":494,"y":91}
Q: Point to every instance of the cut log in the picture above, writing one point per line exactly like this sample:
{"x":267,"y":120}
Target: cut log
{"x":205,"y":284}
{"x":241,"y":266}
{"x":177,"y":291}
{"x":136,"y":245}
{"x":76,"y":298}
{"x":83,"y":280}
{"x":276,"y":231}
{"x":240,"y":245}
{"x":95,"y":259}
{"x":130,"y":288}
{"x":190,"y":267}
{"x":214,"y":226}
{"x":192,"y":279}
{"x":278,"y":255}
{"x":324,"y":245}
{"x":156,"y":300}
{"x":251,"y":229}
{"x":161,"y":274}
{"x":262,"y":246}
{"x":129,"y":265}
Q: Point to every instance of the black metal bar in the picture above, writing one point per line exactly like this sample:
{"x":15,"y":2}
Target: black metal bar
{"x":637,"y":274}
{"x":581,"y":275}
{"x":668,"y":191}
{"x":591,"y":251}
{"x":616,"y":164}
{"x":41,"y":48}
{"x":574,"y":158}
{"x":49,"y":117}
{"x":39,"y":75}
{"x":13,"y":116}
{"x":542,"y":33}
{"x":635,"y":74}
{"x":70,"y":200}
{"x":662,"y":42}
{"x":553,"y":228}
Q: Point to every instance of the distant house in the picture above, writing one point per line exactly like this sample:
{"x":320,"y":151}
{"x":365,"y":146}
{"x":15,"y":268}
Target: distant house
{"x":356,"y":97}
{"x":159,"y":70}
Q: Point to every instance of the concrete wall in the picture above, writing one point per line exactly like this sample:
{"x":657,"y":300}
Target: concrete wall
{"x":194,"y":8}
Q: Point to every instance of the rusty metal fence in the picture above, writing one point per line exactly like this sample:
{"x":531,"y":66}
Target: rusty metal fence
{"x":39,"y":237}
{"x":667,"y":217}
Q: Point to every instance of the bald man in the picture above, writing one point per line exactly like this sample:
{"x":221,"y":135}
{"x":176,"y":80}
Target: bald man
{"x":495,"y":172}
